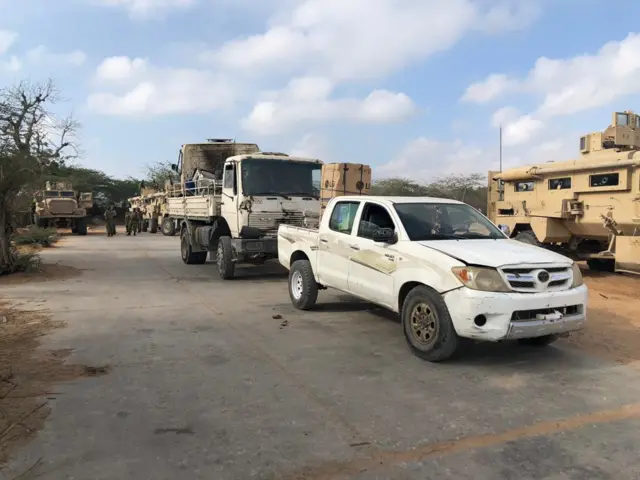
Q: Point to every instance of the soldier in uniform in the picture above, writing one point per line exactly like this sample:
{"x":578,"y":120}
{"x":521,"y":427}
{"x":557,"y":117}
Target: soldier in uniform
{"x":110,"y":216}
{"x":127,"y":221}
{"x":136,"y":218}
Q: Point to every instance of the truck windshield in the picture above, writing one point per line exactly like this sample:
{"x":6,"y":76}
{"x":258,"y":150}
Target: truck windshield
{"x":445,"y":221}
{"x":67,"y":194}
{"x":280,"y":177}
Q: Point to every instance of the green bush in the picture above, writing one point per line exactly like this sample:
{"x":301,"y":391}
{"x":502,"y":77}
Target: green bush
{"x":23,"y":262}
{"x":36,"y":236}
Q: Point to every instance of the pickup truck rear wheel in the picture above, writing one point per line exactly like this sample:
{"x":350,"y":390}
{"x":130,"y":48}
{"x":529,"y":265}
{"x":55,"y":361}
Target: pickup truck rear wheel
{"x":427,"y":325}
{"x":224,"y":258}
{"x":303,"y":289}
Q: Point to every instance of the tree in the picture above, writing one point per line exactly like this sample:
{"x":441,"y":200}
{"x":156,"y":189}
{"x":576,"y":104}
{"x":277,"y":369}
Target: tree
{"x":159,"y":173}
{"x":32,"y":141}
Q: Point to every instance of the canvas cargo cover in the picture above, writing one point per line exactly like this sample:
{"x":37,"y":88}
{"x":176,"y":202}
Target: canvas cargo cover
{"x":211,"y":156}
{"x":340,"y":179}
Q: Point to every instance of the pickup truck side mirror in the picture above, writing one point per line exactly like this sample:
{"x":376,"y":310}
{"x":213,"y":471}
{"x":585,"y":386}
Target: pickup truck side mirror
{"x":385,"y":235}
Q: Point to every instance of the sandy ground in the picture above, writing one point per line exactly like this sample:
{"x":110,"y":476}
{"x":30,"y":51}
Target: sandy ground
{"x":200,"y":378}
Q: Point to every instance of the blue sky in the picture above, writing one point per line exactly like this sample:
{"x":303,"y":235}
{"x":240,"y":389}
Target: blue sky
{"x":412,"y":87}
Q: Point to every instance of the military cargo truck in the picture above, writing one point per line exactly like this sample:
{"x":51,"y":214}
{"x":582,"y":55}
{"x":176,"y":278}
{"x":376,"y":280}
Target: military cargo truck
{"x":232,"y":198}
{"x":587,"y":208}
{"x":58,"y":205}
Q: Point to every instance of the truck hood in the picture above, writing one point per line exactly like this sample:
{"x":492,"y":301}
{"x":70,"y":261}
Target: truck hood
{"x":495,"y":253}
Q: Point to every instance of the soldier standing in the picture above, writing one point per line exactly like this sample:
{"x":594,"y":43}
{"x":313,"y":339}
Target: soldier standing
{"x":110,"y":216}
{"x":127,"y":221}
{"x":136,"y":217}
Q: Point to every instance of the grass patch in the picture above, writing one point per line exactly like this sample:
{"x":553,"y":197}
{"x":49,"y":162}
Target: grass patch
{"x":32,"y":235}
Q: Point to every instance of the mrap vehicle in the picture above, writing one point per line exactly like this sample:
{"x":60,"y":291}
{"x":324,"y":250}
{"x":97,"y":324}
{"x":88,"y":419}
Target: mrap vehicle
{"x":587,"y":208}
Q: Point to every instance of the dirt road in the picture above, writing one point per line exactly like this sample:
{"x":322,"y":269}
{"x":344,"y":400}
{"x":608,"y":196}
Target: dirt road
{"x":191,"y":377}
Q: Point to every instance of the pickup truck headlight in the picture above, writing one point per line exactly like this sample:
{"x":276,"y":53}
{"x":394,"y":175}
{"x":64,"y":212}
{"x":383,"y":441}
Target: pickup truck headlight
{"x":577,"y":276}
{"x":478,"y":278}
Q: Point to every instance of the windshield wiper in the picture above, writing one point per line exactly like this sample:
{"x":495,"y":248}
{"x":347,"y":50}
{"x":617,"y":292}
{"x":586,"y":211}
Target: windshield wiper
{"x":277,"y":194}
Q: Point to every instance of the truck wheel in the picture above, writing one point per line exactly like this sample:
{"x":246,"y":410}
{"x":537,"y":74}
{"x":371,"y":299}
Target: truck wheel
{"x":153,"y":225}
{"x":601,"y":265}
{"x":41,"y":222}
{"x":145,"y":225}
{"x":168,"y":227}
{"x":81,"y":226}
{"x":527,"y":236}
{"x":538,"y":341}
{"x":188,"y":255}
{"x":224,"y":258}
{"x":303,"y":289}
{"x":427,"y":325}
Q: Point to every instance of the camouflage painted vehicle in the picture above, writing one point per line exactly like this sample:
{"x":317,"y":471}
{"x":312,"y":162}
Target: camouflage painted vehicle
{"x":58,"y":205}
{"x":588,"y":208}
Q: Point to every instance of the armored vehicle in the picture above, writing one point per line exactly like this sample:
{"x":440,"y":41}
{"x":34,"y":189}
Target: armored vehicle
{"x":587,"y":208}
{"x":58,"y":205}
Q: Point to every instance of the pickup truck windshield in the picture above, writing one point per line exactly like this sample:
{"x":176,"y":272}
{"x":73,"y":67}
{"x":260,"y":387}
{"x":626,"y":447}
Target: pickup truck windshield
{"x":445,"y":221}
{"x":280,"y":177}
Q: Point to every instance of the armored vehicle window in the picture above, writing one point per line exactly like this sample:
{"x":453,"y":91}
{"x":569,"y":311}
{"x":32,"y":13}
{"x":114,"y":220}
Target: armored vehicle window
{"x":67,"y":194}
{"x":343,"y":216}
{"x":51,"y":194}
{"x":604,"y":180}
{"x":524,"y":186}
{"x":559,"y":183}
{"x":622,"y":119}
{"x":583,"y":143}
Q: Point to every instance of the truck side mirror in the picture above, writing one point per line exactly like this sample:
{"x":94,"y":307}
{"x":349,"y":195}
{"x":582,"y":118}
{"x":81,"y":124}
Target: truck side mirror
{"x":385,"y":235}
{"x":174,"y":167}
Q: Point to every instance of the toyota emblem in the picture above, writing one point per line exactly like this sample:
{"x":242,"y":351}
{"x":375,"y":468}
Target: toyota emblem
{"x":543,"y":276}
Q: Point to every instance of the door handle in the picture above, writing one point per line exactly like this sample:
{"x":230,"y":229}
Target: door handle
{"x":324,"y":240}
{"x":354,"y":247}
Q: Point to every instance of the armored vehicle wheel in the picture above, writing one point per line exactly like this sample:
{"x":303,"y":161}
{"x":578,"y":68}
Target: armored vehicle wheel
{"x":153,"y":225}
{"x":145,"y":225}
{"x":188,"y":255}
{"x":41,"y":222}
{"x":427,"y":325}
{"x":81,"y":226}
{"x":601,"y":265}
{"x":224,"y":258}
{"x":168,"y":227}
{"x":527,"y":236}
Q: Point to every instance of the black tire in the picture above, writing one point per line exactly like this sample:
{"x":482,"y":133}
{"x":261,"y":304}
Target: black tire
{"x":601,"y":265}
{"x":81,"y":226}
{"x":186,"y":252}
{"x":41,"y":222}
{"x":153,"y":225}
{"x":538,"y":341}
{"x":145,"y":225}
{"x":168,"y":227}
{"x":303,"y":289}
{"x":224,"y":258}
{"x":437,"y":340}
{"x":527,"y":236}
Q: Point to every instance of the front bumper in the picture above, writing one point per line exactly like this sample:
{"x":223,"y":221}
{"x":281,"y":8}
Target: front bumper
{"x":500,"y":316}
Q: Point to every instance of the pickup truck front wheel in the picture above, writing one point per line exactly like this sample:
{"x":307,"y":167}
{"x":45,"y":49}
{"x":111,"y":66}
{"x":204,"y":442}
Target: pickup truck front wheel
{"x":303,"y":288}
{"x":427,"y":325}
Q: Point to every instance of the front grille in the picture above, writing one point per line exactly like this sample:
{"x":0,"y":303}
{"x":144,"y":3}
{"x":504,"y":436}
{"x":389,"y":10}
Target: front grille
{"x":268,"y":223}
{"x":538,"y":278}
{"x":61,"y":207}
{"x":528,"y":315}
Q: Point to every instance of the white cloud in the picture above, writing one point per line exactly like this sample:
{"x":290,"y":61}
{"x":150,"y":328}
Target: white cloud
{"x":120,"y":68}
{"x":356,"y":39}
{"x":41,"y":55}
{"x":426,"y":159}
{"x":7,"y":39}
{"x":139,"y":88}
{"x":311,"y":145}
{"x":572,"y":85}
{"x":306,"y":100}
{"x":147,"y":8}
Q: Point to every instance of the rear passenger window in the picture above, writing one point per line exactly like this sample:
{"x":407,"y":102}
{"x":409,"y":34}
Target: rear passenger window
{"x":343,"y":216}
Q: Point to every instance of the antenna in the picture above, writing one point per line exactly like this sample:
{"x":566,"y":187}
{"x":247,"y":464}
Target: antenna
{"x":500,"y":148}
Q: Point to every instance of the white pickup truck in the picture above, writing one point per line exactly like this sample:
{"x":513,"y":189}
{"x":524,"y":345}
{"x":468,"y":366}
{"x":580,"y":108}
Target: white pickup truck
{"x":443,"y":266}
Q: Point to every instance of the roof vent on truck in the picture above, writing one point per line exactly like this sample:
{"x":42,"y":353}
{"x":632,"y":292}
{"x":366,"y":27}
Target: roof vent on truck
{"x":220,"y":140}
